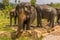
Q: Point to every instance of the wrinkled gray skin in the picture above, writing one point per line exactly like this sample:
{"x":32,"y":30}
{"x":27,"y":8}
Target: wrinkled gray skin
{"x":45,"y":11}
{"x":26,"y":15}
{"x":58,"y":15}
{"x":14,"y":15}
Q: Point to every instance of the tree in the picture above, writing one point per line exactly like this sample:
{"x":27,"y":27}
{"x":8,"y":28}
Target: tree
{"x":51,"y":4}
{"x":15,"y":1}
{"x":33,"y":2}
{"x":5,"y":2}
{"x":18,"y":1}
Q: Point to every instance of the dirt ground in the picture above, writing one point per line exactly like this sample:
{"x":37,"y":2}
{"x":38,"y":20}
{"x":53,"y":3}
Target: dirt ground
{"x":47,"y":33}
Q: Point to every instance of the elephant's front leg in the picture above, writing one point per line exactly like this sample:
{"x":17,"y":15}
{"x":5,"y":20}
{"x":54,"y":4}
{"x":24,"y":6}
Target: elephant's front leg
{"x":10,"y":20}
{"x":28,"y":24}
{"x":20,"y":27}
{"x":39,"y":20}
{"x":30,"y":21}
{"x":15,"y":20}
{"x":52,"y":21}
{"x":58,"y":19}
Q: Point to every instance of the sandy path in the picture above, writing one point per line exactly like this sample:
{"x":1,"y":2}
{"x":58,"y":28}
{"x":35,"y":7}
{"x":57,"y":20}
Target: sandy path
{"x":55,"y":35}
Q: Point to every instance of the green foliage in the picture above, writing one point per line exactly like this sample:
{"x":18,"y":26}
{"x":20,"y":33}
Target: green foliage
{"x":55,"y":5}
{"x":6,"y":11}
{"x":5,"y":2}
{"x":15,"y":1}
{"x":33,"y":2}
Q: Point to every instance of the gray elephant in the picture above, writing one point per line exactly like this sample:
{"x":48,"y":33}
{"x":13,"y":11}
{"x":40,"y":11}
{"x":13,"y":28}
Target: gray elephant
{"x":26,"y":15}
{"x":58,"y":15}
{"x":45,"y":11}
{"x":14,"y":15}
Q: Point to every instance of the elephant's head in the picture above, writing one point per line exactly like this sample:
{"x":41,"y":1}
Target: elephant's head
{"x":21,"y":10}
{"x":27,"y":8}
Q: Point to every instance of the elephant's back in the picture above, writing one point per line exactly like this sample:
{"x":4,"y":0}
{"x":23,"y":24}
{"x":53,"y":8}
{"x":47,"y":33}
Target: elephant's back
{"x":46,"y":8}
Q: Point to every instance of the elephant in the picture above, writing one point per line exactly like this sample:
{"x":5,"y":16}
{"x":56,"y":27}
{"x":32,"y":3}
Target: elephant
{"x":14,"y":15}
{"x":26,"y":15}
{"x":58,"y":15}
{"x":45,"y":11}
{"x":28,"y":9}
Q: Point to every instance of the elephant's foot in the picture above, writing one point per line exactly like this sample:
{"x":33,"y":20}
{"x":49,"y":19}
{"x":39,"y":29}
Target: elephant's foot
{"x":15,"y":23}
{"x":52,"y":26}
{"x":58,"y":23}
{"x":10,"y":25}
{"x":13,"y":36}
{"x":16,"y":34}
{"x":39,"y":26}
{"x":27,"y":28}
